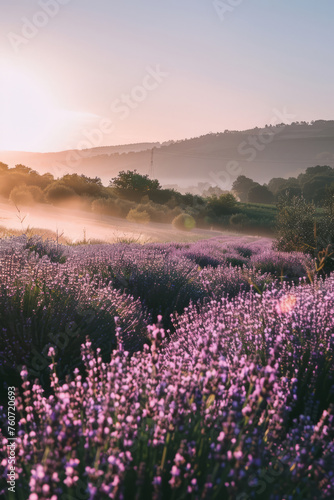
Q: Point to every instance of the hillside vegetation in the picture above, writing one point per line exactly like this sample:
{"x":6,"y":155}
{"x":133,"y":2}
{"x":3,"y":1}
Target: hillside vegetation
{"x":249,"y":207}
{"x":259,"y":153}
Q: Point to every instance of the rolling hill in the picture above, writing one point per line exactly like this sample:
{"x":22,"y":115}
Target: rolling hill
{"x":215,"y":158}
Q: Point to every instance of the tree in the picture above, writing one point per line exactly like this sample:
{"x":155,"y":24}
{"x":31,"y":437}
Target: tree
{"x":138,"y":216}
{"x":3,"y":167}
{"x":90,"y":180}
{"x":83,"y":185}
{"x":289,"y":192}
{"x":224,"y":205}
{"x":133,"y":181}
{"x":242,"y":186}
{"x":239,"y":220}
{"x":276,"y":184}
{"x":325,"y":225}
{"x":323,"y":171}
{"x":295,"y":225}
{"x":260,"y":194}
{"x":184,"y":222}
{"x":21,"y":195}
{"x":59,"y":192}
{"x":300,"y":230}
{"x":22,"y":169}
{"x":314,"y":189}
{"x":319,"y":170}
{"x":213,"y":191}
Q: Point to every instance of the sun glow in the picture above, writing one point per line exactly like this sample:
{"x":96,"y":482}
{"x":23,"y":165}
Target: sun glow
{"x":30,"y":117}
{"x":27,"y":111}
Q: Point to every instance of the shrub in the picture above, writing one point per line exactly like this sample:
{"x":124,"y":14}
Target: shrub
{"x":295,"y":225}
{"x":55,"y":252}
{"x":164,"y":284}
{"x":244,"y":251}
{"x":225,"y":204}
{"x":140,"y":217}
{"x":202,"y":259}
{"x":229,"y":280}
{"x":21,"y":195}
{"x":184,"y":222}
{"x":35,"y":316}
{"x":283,"y":265}
{"x":125,"y":206}
{"x":58,"y":193}
{"x":260,"y":194}
{"x":235,"y":259}
{"x":106,"y":206}
{"x":155,"y":212}
{"x":37,"y":193}
{"x":239,"y":220}
{"x":159,"y":213}
{"x":133,"y":181}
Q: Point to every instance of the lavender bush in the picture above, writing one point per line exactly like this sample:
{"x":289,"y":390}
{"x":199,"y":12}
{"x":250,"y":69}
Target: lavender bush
{"x":235,"y":402}
{"x":45,"y":304}
{"x":55,"y":252}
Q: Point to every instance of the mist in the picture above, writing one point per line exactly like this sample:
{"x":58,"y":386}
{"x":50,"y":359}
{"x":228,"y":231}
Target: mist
{"x":76,"y":225}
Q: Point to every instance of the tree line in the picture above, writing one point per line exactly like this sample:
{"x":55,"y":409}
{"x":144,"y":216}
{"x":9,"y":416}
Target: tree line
{"x":314,"y":185}
{"x":249,"y":207}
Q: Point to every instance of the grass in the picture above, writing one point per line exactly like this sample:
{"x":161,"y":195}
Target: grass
{"x":45,"y":234}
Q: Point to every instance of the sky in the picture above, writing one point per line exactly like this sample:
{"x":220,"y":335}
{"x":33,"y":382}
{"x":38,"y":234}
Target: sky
{"x":84,"y":73}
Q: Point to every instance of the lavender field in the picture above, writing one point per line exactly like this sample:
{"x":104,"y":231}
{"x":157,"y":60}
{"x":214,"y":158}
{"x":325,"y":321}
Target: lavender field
{"x":167,"y":371}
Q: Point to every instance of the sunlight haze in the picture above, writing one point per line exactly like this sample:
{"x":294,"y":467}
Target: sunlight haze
{"x":89,"y":62}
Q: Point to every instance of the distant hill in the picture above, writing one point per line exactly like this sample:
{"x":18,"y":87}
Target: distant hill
{"x":261,"y":154}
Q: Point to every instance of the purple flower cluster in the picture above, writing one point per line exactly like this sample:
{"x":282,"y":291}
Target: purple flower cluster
{"x":235,"y":402}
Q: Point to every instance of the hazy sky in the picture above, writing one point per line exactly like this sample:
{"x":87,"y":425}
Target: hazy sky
{"x":77,"y":73}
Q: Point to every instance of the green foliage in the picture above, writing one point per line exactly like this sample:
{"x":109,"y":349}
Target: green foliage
{"x":107,"y":206}
{"x":295,"y":225}
{"x":58,"y":192}
{"x":21,"y":195}
{"x":131,"y":191}
{"x":288,"y":191}
{"x":36,"y":315}
{"x":311,"y":184}
{"x":260,"y":194}
{"x":163,"y":196}
{"x":41,"y":181}
{"x":224,"y":205}
{"x":164,"y":285}
{"x":313,"y":189}
{"x":260,"y":218}
{"x":184,"y":222}
{"x":26,"y":195}
{"x":213,"y":191}
{"x":83,"y":185}
{"x":9,"y":181}
{"x":138,"y":216}
{"x":22,"y":169}
{"x":46,"y":247}
{"x":323,"y":171}
{"x":37,"y":194}
{"x":239,"y":220}
{"x":242,"y":186}
{"x":276,"y":184}
{"x":189,"y":199}
{"x":133,"y":181}
{"x":159,"y":213}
